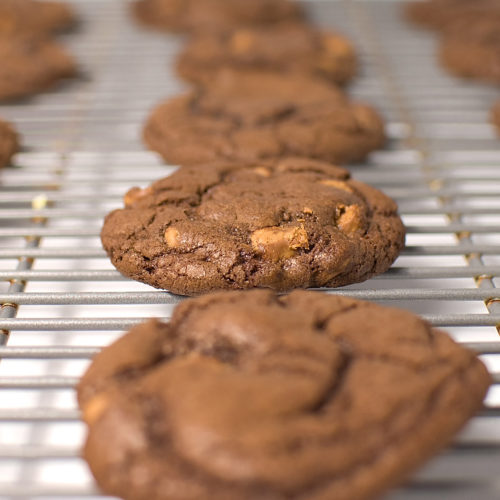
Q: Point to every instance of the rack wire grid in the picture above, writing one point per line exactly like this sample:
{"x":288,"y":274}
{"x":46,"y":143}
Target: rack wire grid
{"x":62,"y":300}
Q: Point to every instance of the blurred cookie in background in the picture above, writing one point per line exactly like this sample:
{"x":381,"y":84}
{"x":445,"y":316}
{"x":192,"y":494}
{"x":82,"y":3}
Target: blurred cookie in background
{"x":495,"y":116}
{"x":213,"y":15}
{"x":470,"y":47}
{"x":35,"y":17}
{"x":254,"y":115}
{"x":32,"y":64}
{"x":284,"y":48}
{"x":438,"y":14}
{"x":9,"y":143}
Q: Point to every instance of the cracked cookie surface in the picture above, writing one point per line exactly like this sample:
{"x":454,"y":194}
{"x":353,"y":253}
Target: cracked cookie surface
{"x":213,"y":15}
{"x":253,"y":115}
{"x":32,"y":64}
{"x":9,"y":143}
{"x":34,"y":17}
{"x":284,"y":224}
{"x":284,"y":48}
{"x":246,"y":395}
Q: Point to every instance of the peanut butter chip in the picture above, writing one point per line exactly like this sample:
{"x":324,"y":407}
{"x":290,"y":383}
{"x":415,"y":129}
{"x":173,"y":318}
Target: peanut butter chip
{"x":350,"y":220}
{"x":278,"y":243}
{"x":171,"y":237}
{"x":135,"y":194}
{"x":263,"y":171}
{"x":337,"y":46}
{"x":307,"y":210}
{"x":343,"y":186}
{"x":95,"y":408}
{"x":365,"y":118}
{"x":241,"y":41}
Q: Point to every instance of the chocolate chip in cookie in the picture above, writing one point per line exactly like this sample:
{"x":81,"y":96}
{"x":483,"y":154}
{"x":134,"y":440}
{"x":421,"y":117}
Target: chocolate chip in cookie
{"x":256,"y":115}
{"x":285,"y":224}
{"x":251,"y":396}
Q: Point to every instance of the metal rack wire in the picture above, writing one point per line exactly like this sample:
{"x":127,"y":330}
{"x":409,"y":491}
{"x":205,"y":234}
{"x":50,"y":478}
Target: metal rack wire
{"x":62,"y":300}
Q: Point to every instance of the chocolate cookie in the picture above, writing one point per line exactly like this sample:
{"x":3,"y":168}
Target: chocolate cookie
{"x":34,"y":17}
{"x":31,"y":64}
{"x":285,"y":48}
{"x":213,"y":15}
{"x":283,"y":225}
{"x":438,"y":14}
{"x":251,"y":396}
{"x":471,"y":47}
{"x":252,"y":115}
{"x":495,"y":116}
{"x":8,"y":143}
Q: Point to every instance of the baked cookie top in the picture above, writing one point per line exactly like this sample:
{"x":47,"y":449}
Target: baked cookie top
{"x":213,"y":15}
{"x":285,"y":48}
{"x":31,"y":64}
{"x":34,"y":17}
{"x":9,"y":143}
{"x":253,"y":115}
{"x":247,"y":395}
{"x":293,"y":223}
{"x":471,"y":47}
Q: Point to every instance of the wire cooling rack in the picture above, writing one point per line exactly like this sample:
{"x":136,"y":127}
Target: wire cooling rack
{"x":62,"y":300}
